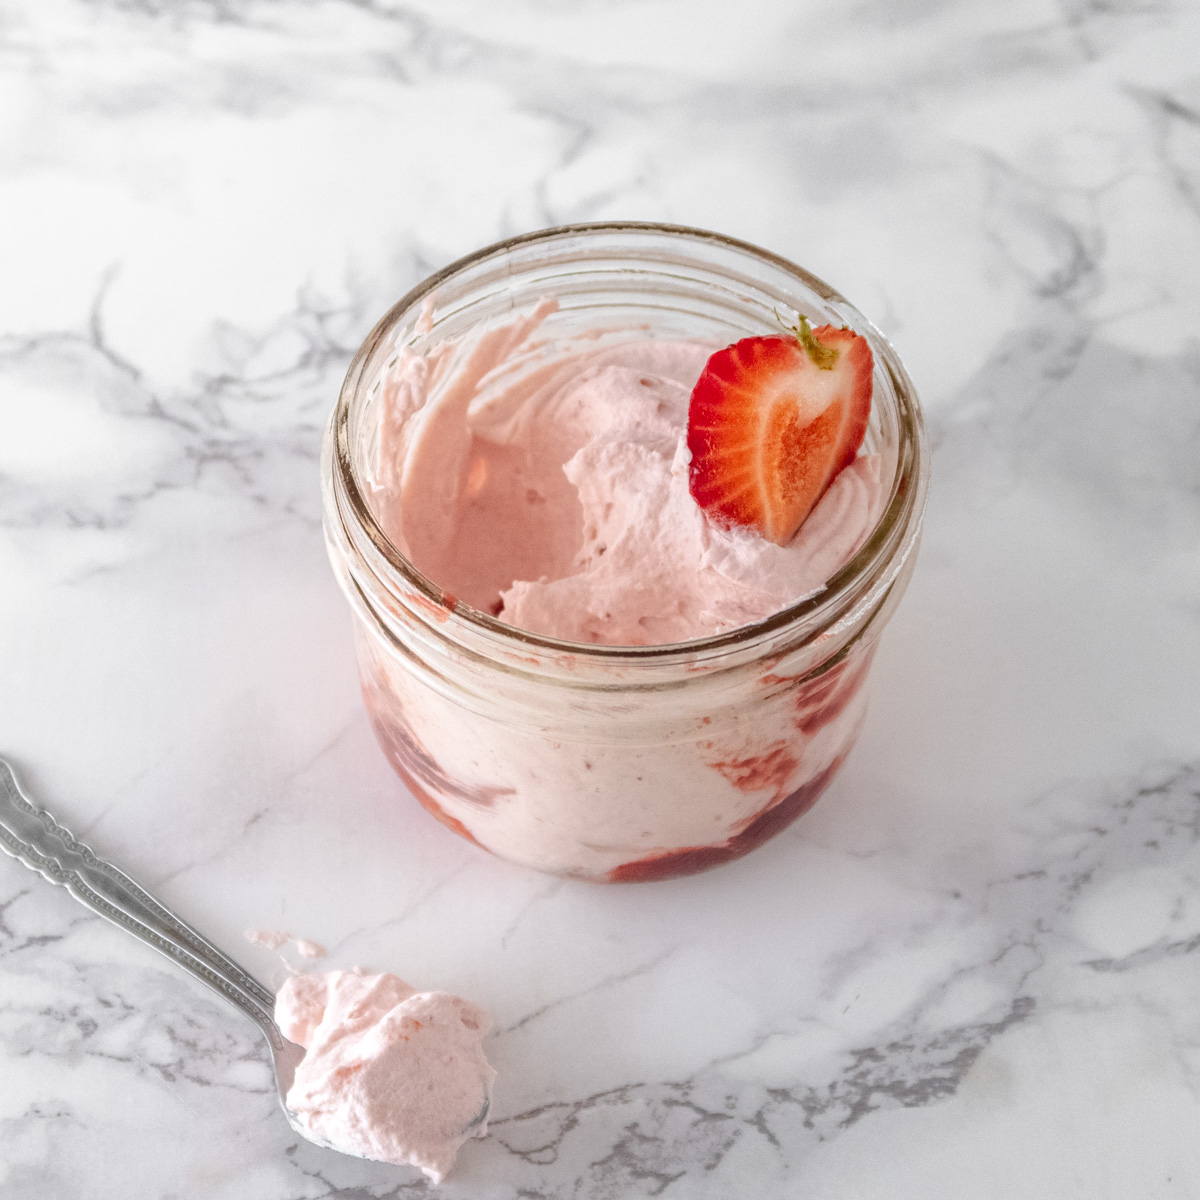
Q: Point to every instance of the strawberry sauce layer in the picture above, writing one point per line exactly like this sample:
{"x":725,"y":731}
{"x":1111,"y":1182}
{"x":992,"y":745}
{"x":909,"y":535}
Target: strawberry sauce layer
{"x":691,"y":861}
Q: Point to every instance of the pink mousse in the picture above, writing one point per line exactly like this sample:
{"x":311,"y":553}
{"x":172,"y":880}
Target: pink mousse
{"x":390,"y":1073}
{"x":549,"y":487}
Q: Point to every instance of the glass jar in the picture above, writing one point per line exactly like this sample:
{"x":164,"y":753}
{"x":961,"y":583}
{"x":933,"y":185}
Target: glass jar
{"x":601,"y":762}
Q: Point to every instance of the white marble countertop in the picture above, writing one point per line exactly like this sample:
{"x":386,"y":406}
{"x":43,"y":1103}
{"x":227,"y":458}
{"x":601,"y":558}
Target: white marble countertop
{"x":974,"y":969}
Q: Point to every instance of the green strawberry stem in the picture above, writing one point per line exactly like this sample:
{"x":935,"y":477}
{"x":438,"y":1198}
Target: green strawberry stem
{"x":823,"y":357}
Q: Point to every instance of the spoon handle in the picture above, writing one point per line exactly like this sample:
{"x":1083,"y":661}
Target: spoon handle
{"x":29,"y":833}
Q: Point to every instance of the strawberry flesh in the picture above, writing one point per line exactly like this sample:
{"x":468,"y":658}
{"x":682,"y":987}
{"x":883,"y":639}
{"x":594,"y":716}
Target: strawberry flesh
{"x":772,"y":421}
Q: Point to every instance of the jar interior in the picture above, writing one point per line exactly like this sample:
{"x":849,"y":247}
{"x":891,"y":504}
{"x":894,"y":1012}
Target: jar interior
{"x":631,"y":282}
{"x":639,"y":293}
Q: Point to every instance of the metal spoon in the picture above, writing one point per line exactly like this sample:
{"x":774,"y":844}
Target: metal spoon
{"x":33,"y":836}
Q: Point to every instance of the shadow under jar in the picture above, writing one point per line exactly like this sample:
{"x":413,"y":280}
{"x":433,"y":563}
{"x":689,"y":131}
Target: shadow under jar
{"x":601,"y":762}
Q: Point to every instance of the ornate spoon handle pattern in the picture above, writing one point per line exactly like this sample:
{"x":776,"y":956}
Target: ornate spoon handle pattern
{"x":29,"y":833}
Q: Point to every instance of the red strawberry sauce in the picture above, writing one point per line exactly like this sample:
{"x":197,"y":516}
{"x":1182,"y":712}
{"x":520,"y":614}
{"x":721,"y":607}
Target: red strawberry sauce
{"x":772,"y":820}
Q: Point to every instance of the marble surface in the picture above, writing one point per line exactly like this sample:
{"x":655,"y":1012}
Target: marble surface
{"x":973,"y":969}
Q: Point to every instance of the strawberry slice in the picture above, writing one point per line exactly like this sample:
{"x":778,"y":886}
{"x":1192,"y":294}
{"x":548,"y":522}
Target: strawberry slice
{"x":772,"y":421}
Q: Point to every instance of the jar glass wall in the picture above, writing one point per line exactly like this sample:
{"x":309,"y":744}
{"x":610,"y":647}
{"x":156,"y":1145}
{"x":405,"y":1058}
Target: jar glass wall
{"x":602,"y":762}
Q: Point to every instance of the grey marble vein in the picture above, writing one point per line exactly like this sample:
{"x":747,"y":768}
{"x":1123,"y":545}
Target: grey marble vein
{"x":972,"y":969}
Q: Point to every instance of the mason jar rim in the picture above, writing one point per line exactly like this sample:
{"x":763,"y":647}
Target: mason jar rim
{"x":904,"y":507}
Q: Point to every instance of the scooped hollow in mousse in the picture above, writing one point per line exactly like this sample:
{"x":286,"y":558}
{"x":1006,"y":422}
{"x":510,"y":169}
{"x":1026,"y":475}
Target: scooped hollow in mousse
{"x":552,"y":491}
